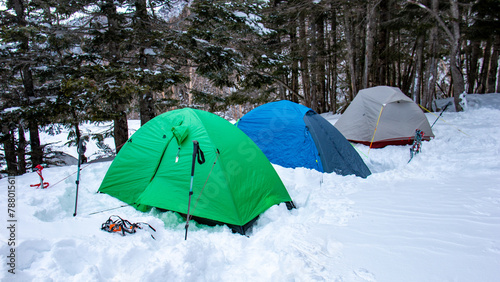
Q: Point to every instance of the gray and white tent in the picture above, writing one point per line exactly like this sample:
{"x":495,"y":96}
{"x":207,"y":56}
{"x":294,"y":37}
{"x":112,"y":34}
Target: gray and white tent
{"x":381,"y":116}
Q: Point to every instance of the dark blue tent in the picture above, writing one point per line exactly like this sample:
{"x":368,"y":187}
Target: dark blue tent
{"x":292,"y":135}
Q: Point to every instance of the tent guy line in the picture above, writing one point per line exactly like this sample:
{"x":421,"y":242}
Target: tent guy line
{"x":439,"y":117}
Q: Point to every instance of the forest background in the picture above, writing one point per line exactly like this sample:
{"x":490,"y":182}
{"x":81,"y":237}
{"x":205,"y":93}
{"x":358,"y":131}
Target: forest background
{"x":64,"y":63}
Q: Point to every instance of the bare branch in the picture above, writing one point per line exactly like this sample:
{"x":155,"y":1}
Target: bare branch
{"x":436,"y":17}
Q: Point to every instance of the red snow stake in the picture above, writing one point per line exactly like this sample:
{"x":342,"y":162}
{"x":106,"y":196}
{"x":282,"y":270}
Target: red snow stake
{"x":42,"y":184}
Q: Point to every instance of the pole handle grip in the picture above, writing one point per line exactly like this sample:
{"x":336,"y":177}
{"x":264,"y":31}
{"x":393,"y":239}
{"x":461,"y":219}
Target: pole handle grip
{"x":196,"y":147}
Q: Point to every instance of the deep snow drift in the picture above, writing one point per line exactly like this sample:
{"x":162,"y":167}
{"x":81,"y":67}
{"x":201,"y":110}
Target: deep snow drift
{"x":436,"y":218}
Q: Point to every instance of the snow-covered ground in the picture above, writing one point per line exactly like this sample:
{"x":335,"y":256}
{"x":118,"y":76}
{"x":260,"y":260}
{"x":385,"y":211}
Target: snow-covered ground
{"x":436,"y":218}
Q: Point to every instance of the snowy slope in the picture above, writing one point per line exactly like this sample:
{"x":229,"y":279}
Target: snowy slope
{"x":434,"y":219}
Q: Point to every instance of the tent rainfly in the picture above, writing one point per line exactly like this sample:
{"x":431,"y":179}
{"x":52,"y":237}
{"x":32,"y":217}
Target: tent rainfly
{"x":233,"y":186}
{"x":293,"y":135}
{"x":381,"y":116}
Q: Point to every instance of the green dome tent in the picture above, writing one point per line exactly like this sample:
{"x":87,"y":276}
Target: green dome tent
{"x":233,"y":186}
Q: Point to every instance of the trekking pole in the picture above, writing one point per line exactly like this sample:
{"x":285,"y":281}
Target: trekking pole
{"x":196,"y":147}
{"x":79,"y":150}
{"x":442,"y":119}
{"x":444,"y":109}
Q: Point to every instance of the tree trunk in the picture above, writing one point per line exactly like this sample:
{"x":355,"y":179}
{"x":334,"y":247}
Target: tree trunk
{"x":454,"y":38}
{"x":304,"y":66}
{"x":397,"y":73}
{"x":146,"y":100}
{"x":333,"y":62}
{"x":321,"y":62}
{"x":498,"y":82}
{"x":283,"y":92}
{"x":314,"y":67}
{"x":381,"y":76}
{"x":369,"y":41}
{"x":358,"y":43}
{"x":409,"y":71}
{"x":492,"y":76}
{"x":27,"y":77}
{"x":483,"y":76}
{"x":147,"y":110}
{"x":109,"y":9}
{"x":295,"y":65}
{"x":21,"y":151}
{"x":120,"y":129}
{"x":417,"y":76}
{"x":430,"y":76}
{"x":458,"y":79}
{"x":473,"y":63}
{"x":9,"y":149}
{"x":36,"y":149}
{"x":348,"y":26}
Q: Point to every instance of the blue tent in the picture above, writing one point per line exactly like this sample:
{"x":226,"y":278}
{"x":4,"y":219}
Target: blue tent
{"x":292,"y":135}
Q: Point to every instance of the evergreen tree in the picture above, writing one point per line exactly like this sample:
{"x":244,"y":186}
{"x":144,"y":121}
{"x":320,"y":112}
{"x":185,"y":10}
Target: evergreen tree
{"x":27,"y":34}
{"x":484,"y":30}
{"x":231,"y":50}
{"x":125,"y":56}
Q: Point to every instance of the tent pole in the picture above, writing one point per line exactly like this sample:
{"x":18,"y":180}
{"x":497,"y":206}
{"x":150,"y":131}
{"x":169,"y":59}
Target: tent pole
{"x":378,"y":120}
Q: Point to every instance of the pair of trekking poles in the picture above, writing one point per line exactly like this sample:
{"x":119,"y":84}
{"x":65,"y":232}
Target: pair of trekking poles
{"x":198,"y":156}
